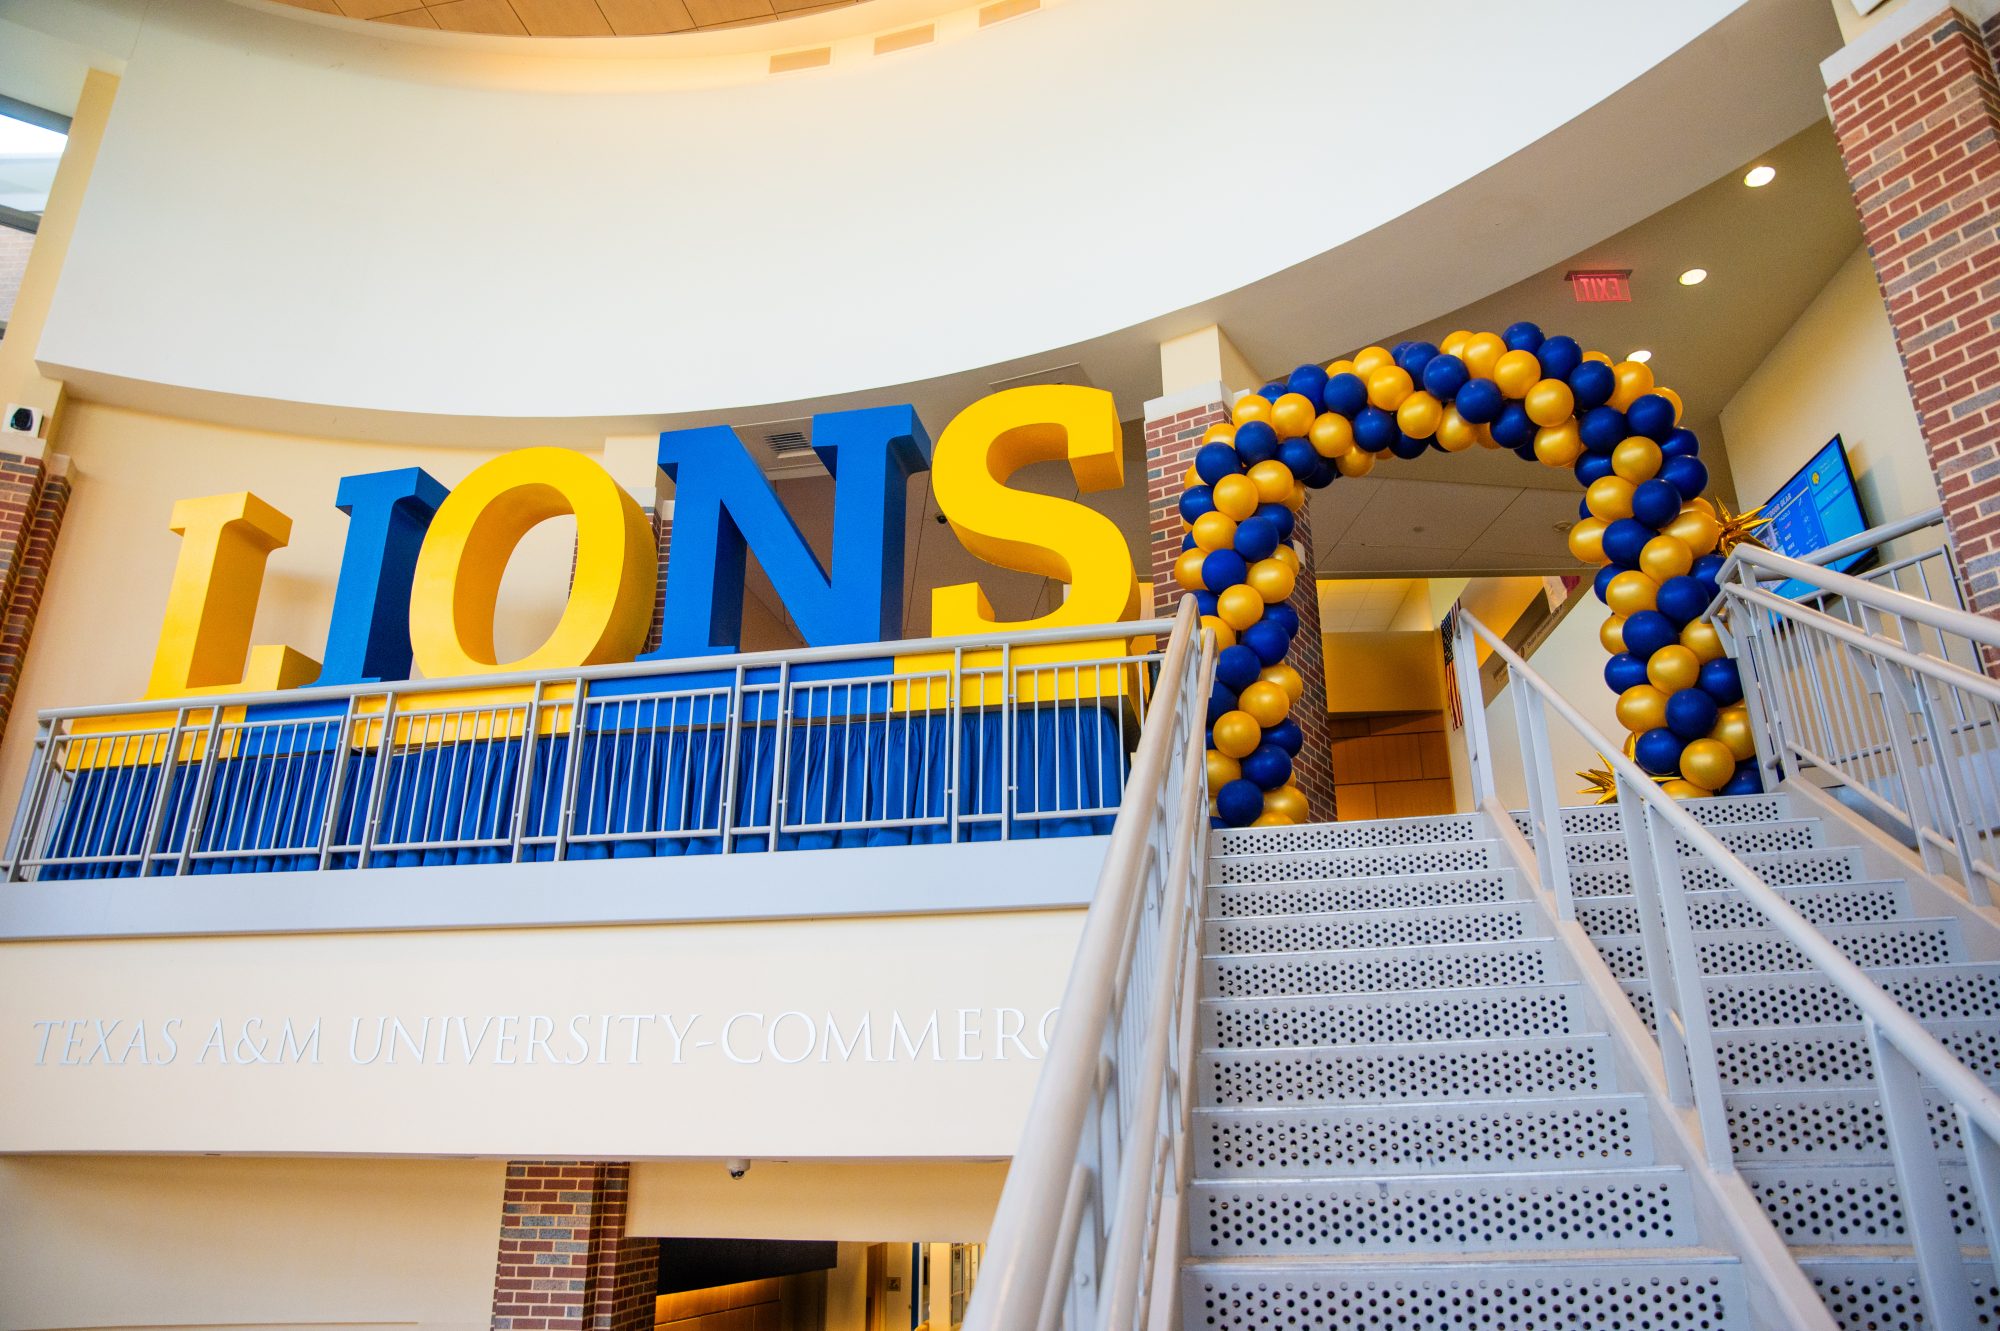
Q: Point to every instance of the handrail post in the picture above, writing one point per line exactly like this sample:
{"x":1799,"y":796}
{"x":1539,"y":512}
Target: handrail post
{"x":1900,"y":695}
{"x":1472,"y":709}
{"x":156,"y":817}
{"x":1940,"y":1265}
{"x":1690,"y":984}
{"x":1544,"y":807}
{"x":1661,"y":965}
{"x":1759,"y":691}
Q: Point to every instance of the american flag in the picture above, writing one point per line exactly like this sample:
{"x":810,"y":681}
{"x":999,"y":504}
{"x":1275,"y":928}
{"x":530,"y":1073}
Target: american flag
{"x":1453,"y":705}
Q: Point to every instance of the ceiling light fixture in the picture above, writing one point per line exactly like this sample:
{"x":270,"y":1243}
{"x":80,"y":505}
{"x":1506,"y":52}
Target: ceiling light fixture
{"x":1641,"y":356}
{"x":1759,"y":176}
{"x":1694,"y":277}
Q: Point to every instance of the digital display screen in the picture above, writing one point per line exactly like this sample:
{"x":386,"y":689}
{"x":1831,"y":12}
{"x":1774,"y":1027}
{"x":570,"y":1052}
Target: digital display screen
{"x":1816,"y":508}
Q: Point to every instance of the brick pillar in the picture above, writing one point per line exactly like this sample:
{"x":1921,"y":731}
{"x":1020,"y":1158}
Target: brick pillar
{"x":31,"y":575}
{"x":565,"y":1261}
{"x":663,"y":532}
{"x":1174,"y":427}
{"x":1919,"y":130}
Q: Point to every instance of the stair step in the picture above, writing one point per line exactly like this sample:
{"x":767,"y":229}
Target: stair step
{"x":1413,"y":926}
{"x":1330,"y":895}
{"x":1806,"y":868}
{"x":1533,"y":1068}
{"x":1448,"y":857}
{"x":1782,"y":837}
{"x":1842,"y":1205}
{"x":1645,"y":1207}
{"x":1730,"y":908}
{"x":1687,"y":1288}
{"x":1718,"y":811}
{"x":1391,"y":1018}
{"x":1377,"y":970}
{"x":1827,"y":1126}
{"x":1909,"y":942}
{"x":1876,"y":1294}
{"x":1584,"y":1132}
{"x":1809,"y":1057}
{"x":1374,"y":834}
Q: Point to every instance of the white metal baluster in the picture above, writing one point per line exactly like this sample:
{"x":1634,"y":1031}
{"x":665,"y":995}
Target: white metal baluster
{"x":1982,"y":1152}
{"x":1691,"y":988}
{"x":1544,"y":808}
{"x":1661,"y":964}
{"x":1940,"y":1266}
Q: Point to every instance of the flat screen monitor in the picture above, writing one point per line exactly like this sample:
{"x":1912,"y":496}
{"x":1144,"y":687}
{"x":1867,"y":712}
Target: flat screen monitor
{"x":1816,"y":508}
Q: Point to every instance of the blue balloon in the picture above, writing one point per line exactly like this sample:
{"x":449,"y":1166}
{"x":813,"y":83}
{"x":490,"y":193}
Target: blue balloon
{"x":1684,"y":598}
{"x":1268,"y":640}
{"x":1299,"y":457}
{"x":1215,"y":461}
{"x":1525,"y":452}
{"x":1624,"y":539}
{"x":1708,"y":568}
{"x":1652,"y":416}
{"x":1603,"y":581}
{"x":1271,"y":392}
{"x":1624,"y":671}
{"x":1592,"y":467}
{"x":1287,"y":736}
{"x":1222,"y":570}
{"x":1656,"y":502}
{"x":1592,"y":383}
{"x":1284,"y":617}
{"x":1236,"y":667}
{"x":1375,"y":429}
{"x":1680,"y":444}
{"x":1512,"y":428}
{"x":1345,"y":394}
{"x":1747,"y":781}
{"x":1415,"y":358}
{"x":1221,"y":702}
{"x":1687,"y":475}
{"x":1691,"y":713}
{"x":1187,"y":542}
{"x":1583,"y":509}
{"x":1602,"y":428}
{"x":1522,"y":336}
{"x":1239,"y":803}
{"x":1323,"y":474}
{"x":1256,"y":442}
{"x":1309,"y":381}
{"x":1268,"y":767}
{"x":1559,"y":357}
{"x":1648,"y":631}
{"x":1407,"y":447}
{"x":1480,"y":401}
{"x":1204,"y":601}
{"x":1196,"y":500}
{"x":1721,"y":681}
{"x":1444,"y":376}
{"x":1659,"y":752}
{"x":1278,"y":516}
{"x":1256,"y":538}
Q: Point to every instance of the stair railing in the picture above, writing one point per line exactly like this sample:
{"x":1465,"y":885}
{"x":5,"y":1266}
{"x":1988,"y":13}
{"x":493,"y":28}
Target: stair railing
{"x":1880,"y":691}
{"x":1089,"y":1224}
{"x":1658,"y":830}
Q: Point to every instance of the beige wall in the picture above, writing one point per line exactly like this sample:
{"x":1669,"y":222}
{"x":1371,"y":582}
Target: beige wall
{"x":1572,"y":660}
{"x":149,"y":1241}
{"x":860,"y":1201}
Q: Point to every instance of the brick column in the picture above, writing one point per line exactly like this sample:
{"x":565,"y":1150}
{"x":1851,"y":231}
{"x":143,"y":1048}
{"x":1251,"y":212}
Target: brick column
{"x":1919,"y":130}
{"x":663,"y":534}
{"x":565,"y":1261}
{"x":30,"y":579}
{"x":1174,"y":427}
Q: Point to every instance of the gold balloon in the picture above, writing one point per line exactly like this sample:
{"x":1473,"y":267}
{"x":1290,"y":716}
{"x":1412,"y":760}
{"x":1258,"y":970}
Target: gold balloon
{"x":1225,"y":636}
{"x":1597,"y":356}
{"x":1370,"y":359}
{"x":1420,"y":415}
{"x":1187,"y":569}
{"x":1559,"y":445}
{"x":1632,"y":591}
{"x":1673,"y":397}
{"x":1287,"y":556}
{"x":1641,"y":708}
{"x":1292,"y":415}
{"x":1266,"y":704}
{"x":1191,"y":478}
{"x":1636,"y":459}
{"x":1287,"y":802}
{"x":1609,"y":498}
{"x":1635,"y":380}
{"x":1388,"y":386}
{"x":1237,"y":734}
{"x":1694,"y":529}
{"x":1586,"y":540}
{"x":1486,"y":439}
{"x":1273,"y":581}
{"x":1296,"y":500}
{"x":1286,"y":678}
{"x":1222,"y":432}
{"x":1334,"y":367}
{"x":1250,"y":407}
{"x":1236,"y":497}
{"x":1732,"y":727}
{"x":1708,"y":763}
{"x":1271,"y":820}
{"x":1550,"y":402}
{"x":1273,"y":480}
{"x":1332,"y":435}
{"x":1222,"y":769}
{"x":1482,"y":351}
{"x":1357,"y":463}
{"x":1701,"y":638}
{"x":1661,"y":558}
{"x":1454,"y":341}
{"x":1612,"y":635}
{"x":1673,"y":668}
{"x":1701,"y":503}
{"x":1240,"y":607}
{"x":1215,"y":531}
{"x":1455,"y":433}
{"x":1516,"y":372}
{"x":1683,"y":790}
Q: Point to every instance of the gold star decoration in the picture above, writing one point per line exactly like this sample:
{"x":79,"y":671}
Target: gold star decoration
{"x":1737,"y":528}
{"x":1603,"y":784}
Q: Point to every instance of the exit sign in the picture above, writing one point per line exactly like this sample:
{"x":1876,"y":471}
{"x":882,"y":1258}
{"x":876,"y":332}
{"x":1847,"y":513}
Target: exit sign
{"x":1591,"y":288}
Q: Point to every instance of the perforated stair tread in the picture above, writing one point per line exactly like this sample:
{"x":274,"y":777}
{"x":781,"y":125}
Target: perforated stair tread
{"x":1775,"y":837}
{"x":1715,"y":811}
{"x":1305,"y":896}
{"x":1383,"y":970}
{"x":1826,"y":1126}
{"x":1822,"y":867}
{"x":1371,"y":834}
{"x":1962,"y":989}
{"x":1411,"y":926}
{"x":1841,"y":1205}
{"x":1228,"y":870}
{"x":1920,"y":940}
{"x":1837,"y":1055}
{"x":1874,"y":1294}
{"x":1405,"y":1016}
{"x":1731,"y":908}
{"x":1460,"y":1070}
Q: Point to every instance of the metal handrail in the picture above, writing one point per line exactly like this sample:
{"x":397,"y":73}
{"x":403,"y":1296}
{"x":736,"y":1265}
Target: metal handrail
{"x":1867,"y":540}
{"x":1943,"y":618}
{"x":1094,"y":1186}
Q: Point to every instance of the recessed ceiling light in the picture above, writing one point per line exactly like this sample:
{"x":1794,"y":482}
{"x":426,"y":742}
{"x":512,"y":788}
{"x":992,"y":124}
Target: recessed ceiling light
{"x":1641,"y":355}
{"x":1759,"y":176}
{"x":1694,"y":277}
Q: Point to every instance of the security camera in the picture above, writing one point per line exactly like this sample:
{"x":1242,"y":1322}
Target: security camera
{"x":737,"y":1168}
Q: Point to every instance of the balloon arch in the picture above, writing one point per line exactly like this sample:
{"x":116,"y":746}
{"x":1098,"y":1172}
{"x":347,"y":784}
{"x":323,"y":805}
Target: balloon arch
{"x":1643,"y":520}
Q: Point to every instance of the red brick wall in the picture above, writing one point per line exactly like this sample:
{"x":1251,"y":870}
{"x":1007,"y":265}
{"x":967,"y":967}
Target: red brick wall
{"x":663,"y":530}
{"x":1919,"y":129}
{"x":31,"y":575}
{"x":565,"y":1262}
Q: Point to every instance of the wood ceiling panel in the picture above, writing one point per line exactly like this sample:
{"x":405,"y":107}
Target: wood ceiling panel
{"x":494,"y":17}
{"x":644,"y":18}
{"x":562,"y":18}
{"x":571,"y":18}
